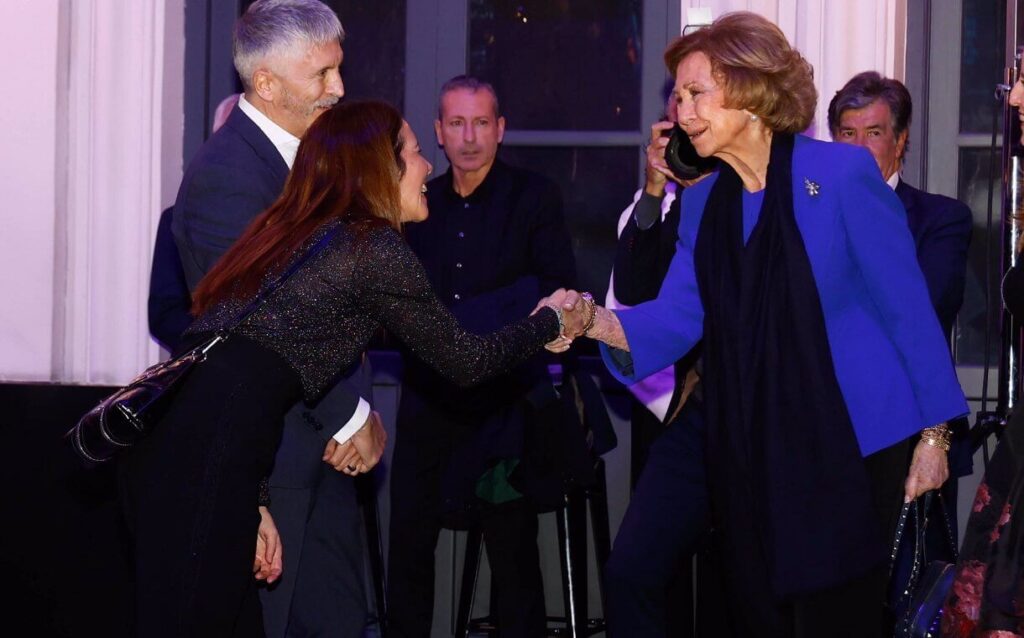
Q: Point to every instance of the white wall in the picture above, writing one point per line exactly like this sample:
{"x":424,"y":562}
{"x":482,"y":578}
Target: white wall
{"x":840,"y":38}
{"x":28,"y":119}
{"x":92,"y":153}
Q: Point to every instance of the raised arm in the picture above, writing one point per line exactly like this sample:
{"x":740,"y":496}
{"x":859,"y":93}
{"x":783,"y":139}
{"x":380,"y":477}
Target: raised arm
{"x":394,"y":289}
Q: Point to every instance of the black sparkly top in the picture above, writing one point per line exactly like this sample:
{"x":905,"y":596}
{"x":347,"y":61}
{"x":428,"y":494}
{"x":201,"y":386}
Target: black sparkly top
{"x":322,"y":317}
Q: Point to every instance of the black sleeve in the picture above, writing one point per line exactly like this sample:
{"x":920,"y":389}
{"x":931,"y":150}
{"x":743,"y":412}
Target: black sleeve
{"x":394,"y":289}
{"x":169,"y":298}
{"x":642,"y":257}
{"x":942,"y":254}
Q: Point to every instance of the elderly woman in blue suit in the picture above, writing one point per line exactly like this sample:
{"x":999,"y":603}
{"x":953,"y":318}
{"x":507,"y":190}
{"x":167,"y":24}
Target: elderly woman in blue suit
{"x":826,"y":376}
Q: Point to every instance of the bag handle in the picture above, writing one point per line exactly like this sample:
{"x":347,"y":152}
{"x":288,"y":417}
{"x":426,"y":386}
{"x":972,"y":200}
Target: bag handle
{"x":919,"y":509}
{"x":265,"y":294}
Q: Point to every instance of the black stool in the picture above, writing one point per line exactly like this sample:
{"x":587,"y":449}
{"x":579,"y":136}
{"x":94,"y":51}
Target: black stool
{"x":572,"y":551}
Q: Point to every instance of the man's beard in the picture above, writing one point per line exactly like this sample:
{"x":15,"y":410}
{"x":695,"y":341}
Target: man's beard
{"x":305,"y":110}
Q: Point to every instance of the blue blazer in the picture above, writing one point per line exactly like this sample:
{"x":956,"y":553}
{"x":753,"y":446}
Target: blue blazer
{"x":890,"y":357}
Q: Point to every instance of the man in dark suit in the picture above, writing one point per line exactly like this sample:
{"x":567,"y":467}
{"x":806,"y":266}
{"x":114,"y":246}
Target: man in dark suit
{"x":494,"y":241}
{"x":874,"y":112}
{"x":288,"y":56}
{"x":169,"y":301}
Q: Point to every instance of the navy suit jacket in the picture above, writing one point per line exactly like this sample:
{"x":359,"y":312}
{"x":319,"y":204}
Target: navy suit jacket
{"x":169,"y":297}
{"x":890,"y":359}
{"x":237,"y":174}
{"x":941,"y":227}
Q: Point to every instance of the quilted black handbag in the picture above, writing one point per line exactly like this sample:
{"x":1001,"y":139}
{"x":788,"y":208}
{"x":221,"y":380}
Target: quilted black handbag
{"x":923,"y":565}
{"x":120,"y":420}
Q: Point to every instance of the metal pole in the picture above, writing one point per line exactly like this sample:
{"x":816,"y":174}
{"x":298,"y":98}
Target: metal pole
{"x":1012,"y":187}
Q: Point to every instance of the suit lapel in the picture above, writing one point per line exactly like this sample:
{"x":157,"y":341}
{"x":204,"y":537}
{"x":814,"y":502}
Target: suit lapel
{"x":260,"y":143}
{"x":906,"y":194}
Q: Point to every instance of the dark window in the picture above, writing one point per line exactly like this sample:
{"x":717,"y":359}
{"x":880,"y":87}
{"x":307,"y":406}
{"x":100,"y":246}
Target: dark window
{"x":981,"y":62}
{"x":983,"y":259}
{"x":597,"y":183}
{"x":560,"y":64}
{"x":374,"y":64}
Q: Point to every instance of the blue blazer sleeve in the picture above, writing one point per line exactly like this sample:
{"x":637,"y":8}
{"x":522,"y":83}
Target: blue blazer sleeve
{"x":661,"y":331}
{"x":882,"y":248}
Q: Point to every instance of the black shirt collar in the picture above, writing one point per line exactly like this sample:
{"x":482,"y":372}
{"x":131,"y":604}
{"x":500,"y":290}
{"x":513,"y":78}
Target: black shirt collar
{"x":482,"y":191}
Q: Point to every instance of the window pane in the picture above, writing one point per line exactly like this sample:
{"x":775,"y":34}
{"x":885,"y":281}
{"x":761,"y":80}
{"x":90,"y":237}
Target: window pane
{"x":597,"y":184}
{"x":981,"y":62}
{"x":567,"y":65}
{"x":975,"y":170}
{"x":374,"y":65}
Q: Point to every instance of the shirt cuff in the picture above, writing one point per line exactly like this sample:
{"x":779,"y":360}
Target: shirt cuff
{"x":354,"y":423}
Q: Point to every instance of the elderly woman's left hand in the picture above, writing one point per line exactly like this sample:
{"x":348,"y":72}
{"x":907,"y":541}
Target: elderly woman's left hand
{"x":928,"y":471}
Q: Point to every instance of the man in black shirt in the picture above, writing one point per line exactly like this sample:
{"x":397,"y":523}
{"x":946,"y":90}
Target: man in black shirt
{"x":494,"y":243}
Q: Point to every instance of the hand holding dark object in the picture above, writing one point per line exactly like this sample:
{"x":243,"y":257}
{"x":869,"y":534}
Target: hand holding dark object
{"x":657,"y":171}
{"x":682,"y":158}
{"x":929,"y":469}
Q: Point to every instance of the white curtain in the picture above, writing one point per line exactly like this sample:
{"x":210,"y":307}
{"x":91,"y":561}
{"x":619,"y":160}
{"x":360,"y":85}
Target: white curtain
{"x":115,"y":91}
{"x":840,"y":38}
{"x":86,"y":187}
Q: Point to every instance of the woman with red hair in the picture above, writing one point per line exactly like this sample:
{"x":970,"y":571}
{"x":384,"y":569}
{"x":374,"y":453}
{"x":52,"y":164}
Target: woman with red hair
{"x":190,"y":489}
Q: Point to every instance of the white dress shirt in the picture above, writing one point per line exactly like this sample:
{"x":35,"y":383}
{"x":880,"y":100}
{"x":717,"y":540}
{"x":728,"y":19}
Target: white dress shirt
{"x":655,"y":391}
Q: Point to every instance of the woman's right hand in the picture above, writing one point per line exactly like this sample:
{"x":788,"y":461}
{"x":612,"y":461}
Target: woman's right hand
{"x":657,"y":171}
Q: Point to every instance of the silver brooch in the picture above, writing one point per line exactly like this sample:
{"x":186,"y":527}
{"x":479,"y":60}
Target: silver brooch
{"x":812,"y":187}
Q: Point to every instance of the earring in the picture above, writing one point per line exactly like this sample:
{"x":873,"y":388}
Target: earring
{"x":753,"y":118}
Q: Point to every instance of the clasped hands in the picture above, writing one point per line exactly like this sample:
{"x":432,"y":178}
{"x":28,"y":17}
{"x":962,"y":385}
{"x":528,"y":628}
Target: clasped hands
{"x":362,"y":452}
{"x":577,"y":316}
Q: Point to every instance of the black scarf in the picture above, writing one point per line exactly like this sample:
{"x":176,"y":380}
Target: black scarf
{"x":783,"y":456}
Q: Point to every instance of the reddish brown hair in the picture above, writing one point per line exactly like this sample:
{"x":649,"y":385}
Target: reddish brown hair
{"x":758,"y":69}
{"x":348,"y":167}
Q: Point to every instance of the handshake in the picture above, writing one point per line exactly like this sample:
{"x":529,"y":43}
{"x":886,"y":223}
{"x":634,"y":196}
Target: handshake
{"x":578,"y":315}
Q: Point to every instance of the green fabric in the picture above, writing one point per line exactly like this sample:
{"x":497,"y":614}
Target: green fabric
{"x":493,"y":485}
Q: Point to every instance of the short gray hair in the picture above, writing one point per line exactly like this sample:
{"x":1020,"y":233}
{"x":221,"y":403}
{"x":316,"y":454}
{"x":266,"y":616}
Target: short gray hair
{"x":275,"y":27}
{"x":466,"y":83}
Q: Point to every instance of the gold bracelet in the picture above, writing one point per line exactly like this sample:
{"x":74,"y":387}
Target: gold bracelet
{"x":938,"y":436}
{"x":589,"y":300}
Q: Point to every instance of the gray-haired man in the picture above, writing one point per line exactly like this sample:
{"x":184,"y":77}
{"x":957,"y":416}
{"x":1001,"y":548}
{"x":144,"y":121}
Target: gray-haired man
{"x":288,"y":55}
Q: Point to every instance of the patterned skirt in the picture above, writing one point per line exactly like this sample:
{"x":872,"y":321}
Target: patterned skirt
{"x":987,"y":597}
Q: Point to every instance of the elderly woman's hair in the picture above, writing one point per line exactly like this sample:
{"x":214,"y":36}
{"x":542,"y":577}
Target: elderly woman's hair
{"x":271,"y":28}
{"x":757,"y":68}
{"x":863,"y":90}
{"x":466,"y":83}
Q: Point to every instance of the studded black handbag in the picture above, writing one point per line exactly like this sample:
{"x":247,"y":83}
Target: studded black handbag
{"x":123,"y":418}
{"x":922,"y":567}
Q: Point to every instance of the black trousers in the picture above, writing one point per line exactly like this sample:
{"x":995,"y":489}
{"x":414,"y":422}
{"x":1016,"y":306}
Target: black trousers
{"x":648,"y":578}
{"x":509,"y":534}
{"x":189,"y":495}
